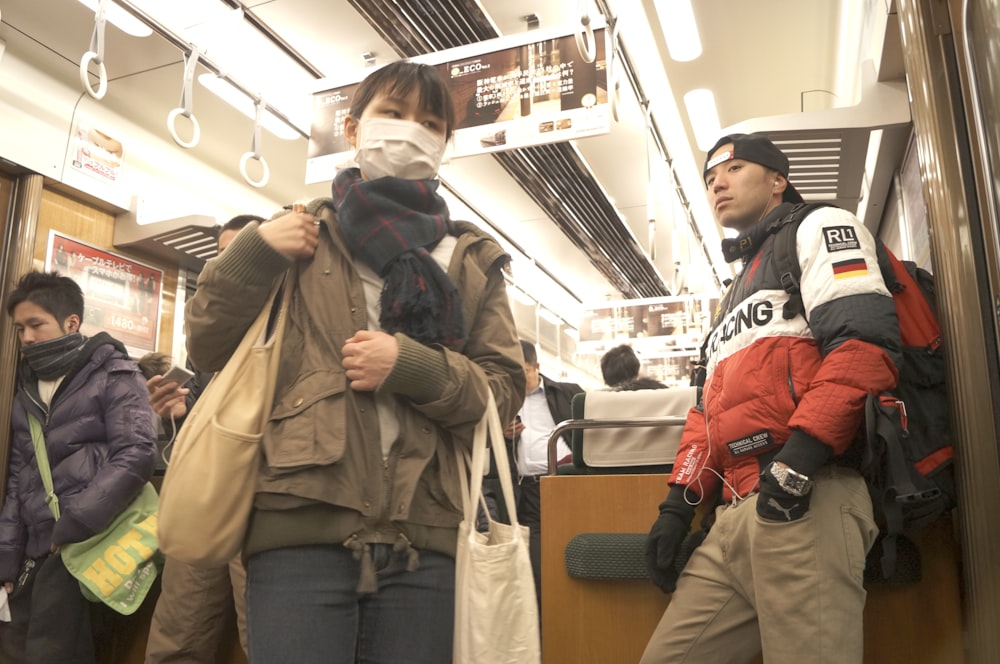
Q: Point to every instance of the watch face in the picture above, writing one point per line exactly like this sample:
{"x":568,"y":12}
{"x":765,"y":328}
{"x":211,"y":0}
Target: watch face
{"x":791,"y":481}
{"x":795,"y":484}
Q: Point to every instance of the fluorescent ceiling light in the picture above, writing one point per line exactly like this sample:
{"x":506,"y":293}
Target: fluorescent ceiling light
{"x":121,"y":19}
{"x":679,"y":29}
{"x":245,"y":105}
{"x":704,"y":117}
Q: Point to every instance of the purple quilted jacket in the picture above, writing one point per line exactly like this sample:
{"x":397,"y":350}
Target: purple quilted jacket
{"x":100,"y":435}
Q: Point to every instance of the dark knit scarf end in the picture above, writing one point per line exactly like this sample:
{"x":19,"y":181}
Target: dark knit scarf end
{"x":392,"y":225}
{"x":426,"y":312}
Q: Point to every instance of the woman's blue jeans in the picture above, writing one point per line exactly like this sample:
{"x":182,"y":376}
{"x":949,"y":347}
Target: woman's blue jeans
{"x":303,"y":607}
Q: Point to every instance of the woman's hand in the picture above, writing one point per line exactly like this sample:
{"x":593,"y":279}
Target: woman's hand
{"x":368,"y":358}
{"x":294,"y":235}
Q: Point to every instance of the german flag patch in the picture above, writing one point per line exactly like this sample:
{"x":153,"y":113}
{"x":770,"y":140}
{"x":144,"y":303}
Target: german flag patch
{"x":855,"y":267}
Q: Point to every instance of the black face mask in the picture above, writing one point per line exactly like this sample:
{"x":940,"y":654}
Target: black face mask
{"x":52,"y":359}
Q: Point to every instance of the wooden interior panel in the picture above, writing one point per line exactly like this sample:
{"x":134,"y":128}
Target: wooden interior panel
{"x":611,"y":621}
{"x":596,"y":621}
{"x":920,"y":623}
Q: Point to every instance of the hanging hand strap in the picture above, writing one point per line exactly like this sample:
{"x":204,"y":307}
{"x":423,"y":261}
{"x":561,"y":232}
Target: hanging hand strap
{"x":38,"y":439}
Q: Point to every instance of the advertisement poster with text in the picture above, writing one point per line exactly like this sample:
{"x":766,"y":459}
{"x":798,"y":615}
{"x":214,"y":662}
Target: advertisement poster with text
{"x":97,"y":153}
{"x":506,"y":95}
{"x":665,"y":333}
{"x":121,"y":296}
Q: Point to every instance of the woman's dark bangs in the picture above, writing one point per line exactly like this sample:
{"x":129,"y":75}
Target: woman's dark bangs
{"x":433,"y":96}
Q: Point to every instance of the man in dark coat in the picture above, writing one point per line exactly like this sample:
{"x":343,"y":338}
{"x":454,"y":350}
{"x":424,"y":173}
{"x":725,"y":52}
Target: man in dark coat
{"x":546,"y":404}
{"x":100,"y":439}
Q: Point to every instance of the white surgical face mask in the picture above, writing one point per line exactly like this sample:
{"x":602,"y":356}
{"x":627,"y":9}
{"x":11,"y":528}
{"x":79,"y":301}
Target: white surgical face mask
{"x":398,"y":148}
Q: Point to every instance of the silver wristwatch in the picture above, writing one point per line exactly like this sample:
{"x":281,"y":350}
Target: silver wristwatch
{"x":790,"y":481}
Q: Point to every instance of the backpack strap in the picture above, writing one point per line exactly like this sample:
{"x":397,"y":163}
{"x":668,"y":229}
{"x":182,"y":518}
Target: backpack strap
{"x":896,"y":488}
{"x":786,"y":256}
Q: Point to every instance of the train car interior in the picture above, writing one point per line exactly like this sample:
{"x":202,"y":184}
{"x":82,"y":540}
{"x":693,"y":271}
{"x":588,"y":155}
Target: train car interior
{"x":131,"y":129}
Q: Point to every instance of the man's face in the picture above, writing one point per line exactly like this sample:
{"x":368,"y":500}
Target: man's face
{"x":34,"y":324}
{"x":740,"y":192}
{"x":532,"y":376}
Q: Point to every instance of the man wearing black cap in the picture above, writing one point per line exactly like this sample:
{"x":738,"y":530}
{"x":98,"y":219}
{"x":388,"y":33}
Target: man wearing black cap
{"x":782,"y":568}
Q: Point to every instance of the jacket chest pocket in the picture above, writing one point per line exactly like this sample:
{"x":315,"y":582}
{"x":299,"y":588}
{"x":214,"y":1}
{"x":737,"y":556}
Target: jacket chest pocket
{"x":308,"y":423}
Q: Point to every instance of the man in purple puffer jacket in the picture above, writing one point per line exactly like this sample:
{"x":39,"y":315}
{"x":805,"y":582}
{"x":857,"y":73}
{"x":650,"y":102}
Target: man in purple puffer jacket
{"x":100,"y":435}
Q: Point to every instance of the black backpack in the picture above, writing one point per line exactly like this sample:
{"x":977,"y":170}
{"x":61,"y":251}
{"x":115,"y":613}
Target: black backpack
{"x":907,"y":453}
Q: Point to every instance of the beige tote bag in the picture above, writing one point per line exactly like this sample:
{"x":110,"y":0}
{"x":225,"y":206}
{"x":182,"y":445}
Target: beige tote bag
{"x":496,"y":611}
{"x":209,"y":486}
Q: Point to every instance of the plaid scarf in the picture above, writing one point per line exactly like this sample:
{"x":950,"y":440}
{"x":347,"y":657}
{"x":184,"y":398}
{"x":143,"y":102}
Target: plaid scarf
{"x":392,"y":225}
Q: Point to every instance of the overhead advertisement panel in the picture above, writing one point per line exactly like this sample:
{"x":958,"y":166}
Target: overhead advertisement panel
{"x":511,"y":92}
{"x":666,"y":333}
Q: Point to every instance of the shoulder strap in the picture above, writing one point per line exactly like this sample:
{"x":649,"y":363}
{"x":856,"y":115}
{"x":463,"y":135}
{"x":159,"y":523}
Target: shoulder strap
{"x":786,"y":256}
{"x":42,"y":456}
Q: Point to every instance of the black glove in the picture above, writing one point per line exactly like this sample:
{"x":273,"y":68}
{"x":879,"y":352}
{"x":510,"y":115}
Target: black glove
{"x":776,"y":504}
{"x":803,"y":454}
{"x":665,"y":539}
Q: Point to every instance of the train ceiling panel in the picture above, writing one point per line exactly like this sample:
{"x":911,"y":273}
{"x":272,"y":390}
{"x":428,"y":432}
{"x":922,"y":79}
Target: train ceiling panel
{"x":591,"y":227}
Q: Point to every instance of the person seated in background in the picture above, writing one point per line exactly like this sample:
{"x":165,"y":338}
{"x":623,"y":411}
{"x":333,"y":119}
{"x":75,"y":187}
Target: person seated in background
{"x":100,"y":439}
{"x":546,"y":403}
{"x":620,"y":370}
{"x":188,"y":621}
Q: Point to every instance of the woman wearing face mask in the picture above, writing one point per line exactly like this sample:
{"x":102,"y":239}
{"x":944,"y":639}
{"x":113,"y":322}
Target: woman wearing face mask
{"x":398,"y":326}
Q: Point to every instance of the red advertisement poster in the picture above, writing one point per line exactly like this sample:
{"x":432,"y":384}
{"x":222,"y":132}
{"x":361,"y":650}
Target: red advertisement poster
{"x":121,"y":296}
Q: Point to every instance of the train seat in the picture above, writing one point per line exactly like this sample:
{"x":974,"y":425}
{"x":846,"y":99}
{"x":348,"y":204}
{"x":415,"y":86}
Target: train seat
{"x":626,"y":432}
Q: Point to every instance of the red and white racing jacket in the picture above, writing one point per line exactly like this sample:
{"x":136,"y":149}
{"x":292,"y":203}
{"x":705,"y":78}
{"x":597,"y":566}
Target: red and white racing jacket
{"x":767,"y":377}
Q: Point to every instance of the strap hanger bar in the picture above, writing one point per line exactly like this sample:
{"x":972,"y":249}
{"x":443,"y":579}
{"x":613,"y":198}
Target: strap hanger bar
{"x":206,"y":62}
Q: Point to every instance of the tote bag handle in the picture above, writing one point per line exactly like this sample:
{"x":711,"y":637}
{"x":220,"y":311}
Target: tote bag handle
{"x":471,"y":471}
{"x":42,"y":456}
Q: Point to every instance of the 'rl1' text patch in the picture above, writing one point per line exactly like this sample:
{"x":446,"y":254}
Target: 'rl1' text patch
{"x":840,"y":238}
{"x":855,"y":267}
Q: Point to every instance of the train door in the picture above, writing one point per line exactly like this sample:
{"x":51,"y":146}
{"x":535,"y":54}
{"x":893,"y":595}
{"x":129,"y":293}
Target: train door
{"x":19,"y":191}
{"x":952,"y":81}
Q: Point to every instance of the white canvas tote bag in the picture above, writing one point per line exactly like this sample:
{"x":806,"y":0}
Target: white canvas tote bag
{"x":496,"y":611}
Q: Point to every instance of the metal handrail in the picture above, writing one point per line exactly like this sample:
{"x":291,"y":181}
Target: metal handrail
{"x":585,"y":423}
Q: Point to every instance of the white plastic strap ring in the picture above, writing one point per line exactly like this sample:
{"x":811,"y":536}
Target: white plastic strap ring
{"x":247,"y":156}
{"x":102,"y":73}
{"x":585,"y":41}
{"x":172,"y":128}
